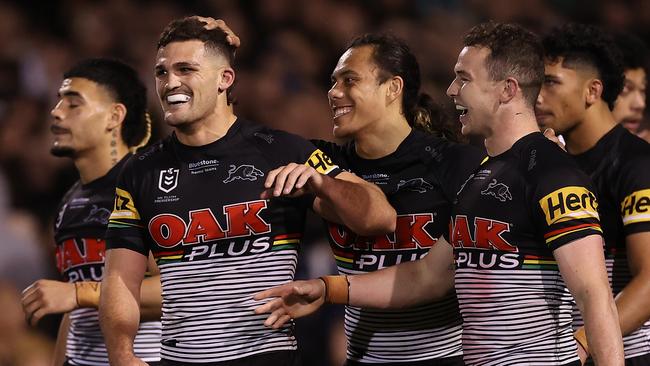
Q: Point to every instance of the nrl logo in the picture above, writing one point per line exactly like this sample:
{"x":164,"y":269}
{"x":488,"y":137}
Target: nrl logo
{"x":168,"y":180}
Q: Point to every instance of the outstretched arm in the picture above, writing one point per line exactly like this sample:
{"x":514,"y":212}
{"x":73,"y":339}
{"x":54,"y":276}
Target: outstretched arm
{"x":45,"y":297}
{"x":582,"y":265}
{"x":346,"y":199}
{"x":406,"y":284}
{"x":119,"y":312}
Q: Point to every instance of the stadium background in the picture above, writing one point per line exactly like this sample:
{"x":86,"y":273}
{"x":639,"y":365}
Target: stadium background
{"x":288,"y":51}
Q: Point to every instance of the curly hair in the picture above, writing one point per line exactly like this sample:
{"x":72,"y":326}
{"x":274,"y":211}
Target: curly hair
{"x":634,"y":51}
{"x":394,"y":58}
{"x":514,"y":52}
{"x":582,"y":45}
{"x":191,"y":28}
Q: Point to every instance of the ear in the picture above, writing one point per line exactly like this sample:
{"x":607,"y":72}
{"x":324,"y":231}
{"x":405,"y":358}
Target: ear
{"x":227,"y":79}
{"x":116,"y":117}
{"x":509,"y":91}
{"x":594,"y":91}
{"x":395,"y":88}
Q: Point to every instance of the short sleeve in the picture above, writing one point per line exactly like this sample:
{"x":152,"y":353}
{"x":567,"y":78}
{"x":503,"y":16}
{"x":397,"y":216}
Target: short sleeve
{"x":125,"y":228}
{"x":633,"y":194}
{"x":565,"y":206}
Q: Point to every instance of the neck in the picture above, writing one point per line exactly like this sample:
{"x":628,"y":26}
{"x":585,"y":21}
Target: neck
{"x":381,"y":138}
{"x":96,"y":163}
{"x":510,"y":129}
{"x":207,"y":130}
{"x":597,"y":122}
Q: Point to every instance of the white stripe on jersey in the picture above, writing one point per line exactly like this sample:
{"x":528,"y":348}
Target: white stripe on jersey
{"x":406,"y":335}
{"x":636,"y":343}
{"x":208,"y":307}
{"x":85,"y":342}
{"x":515,"y":317}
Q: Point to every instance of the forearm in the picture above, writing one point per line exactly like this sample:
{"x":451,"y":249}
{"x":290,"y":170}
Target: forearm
{"x":119,"y":318}
{"x":61,"y":341}
{"x":601,"y":324}
{"x":406,"y":284}
{"x":151,"y":299}
{"x":633,"y":303}
{"x":360,"y":206}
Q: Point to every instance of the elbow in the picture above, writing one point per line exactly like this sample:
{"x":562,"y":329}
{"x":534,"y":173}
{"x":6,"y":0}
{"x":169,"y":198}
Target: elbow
{"x":383,"y":222}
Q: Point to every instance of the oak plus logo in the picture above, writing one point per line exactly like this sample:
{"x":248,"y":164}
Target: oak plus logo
{"x":482,"y":233}
{"x":168,"y":180}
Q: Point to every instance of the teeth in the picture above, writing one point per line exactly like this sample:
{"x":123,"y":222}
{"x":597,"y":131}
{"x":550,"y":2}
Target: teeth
{"x":178,"y":98}
{"x":462,"y":109}
{"x":339,"y":111}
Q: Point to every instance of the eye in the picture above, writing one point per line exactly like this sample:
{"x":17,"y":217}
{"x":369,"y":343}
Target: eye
{"x":185,"y":69}
{"x":160,"y":72}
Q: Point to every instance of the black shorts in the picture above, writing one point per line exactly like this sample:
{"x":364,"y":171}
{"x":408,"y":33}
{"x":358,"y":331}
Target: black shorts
{"x":447,"y":361}
{"x":277,"y":358}
{"x":643,"y":360}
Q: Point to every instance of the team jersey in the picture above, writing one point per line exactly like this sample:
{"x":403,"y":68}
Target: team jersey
{"x":618,"y":165}
{"x":79,"y":234}
{"x":198,"y":210}
{"x":420,"y":180}
{"x":510,"y":215}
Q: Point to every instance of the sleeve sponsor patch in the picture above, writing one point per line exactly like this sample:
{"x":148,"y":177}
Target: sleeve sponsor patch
{"x":569,"y":203}
{"x":636,"y":207}
{"x":124,"y":207}
{"x":321,"y":162}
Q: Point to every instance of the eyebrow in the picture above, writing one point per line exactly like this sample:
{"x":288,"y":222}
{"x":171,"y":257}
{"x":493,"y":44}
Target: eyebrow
{"x":69,"y":93}
{"x":179,"y":64}
{"x":342,"y":73}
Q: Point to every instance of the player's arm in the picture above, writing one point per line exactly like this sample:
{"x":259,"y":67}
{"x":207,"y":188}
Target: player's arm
{"x":346,"y":199}
{"x":61,"y":340}
{"x":45,"y":297}
{"x":119,"y":311}
{"x":404,"y":285}
{"x":582,"y":265}
{"x":633,"y":302}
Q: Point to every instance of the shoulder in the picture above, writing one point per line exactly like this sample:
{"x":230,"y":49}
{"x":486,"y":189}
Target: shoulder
{"x":633,"y":154}
{"x":437,"y":151}
{"x":540,"y":158}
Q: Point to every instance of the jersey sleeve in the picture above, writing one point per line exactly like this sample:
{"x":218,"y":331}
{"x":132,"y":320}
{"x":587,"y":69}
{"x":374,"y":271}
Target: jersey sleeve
{"x":633,"y":193}
{"x":299,"y":150}
{"x":563,"y":200}
{"x":125,"y":227}
{"x":459,"y":162}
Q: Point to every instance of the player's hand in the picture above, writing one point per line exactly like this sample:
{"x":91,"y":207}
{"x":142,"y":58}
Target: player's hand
{"x":549,"y":133}
{"x":45,"y":297}
{"x":292,"y":300}
{"x":292,"y":180}
{"x":212,"y":23}
{"x":582,"y":354}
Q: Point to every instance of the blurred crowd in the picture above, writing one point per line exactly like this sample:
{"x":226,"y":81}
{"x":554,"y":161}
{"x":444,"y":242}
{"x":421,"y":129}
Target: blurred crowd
{"x":288,"y":51}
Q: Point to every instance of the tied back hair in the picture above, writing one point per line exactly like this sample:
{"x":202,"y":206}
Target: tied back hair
{"x":394,"y":58}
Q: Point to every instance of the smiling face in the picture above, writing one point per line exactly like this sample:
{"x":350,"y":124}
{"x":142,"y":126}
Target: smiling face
{"x":81,"y":117}
{"x":356,"y":97}
{"x":630,"y":104}
{"x":561,"y":104}
{"x":188,"y":81}
{"x":474,"y":92}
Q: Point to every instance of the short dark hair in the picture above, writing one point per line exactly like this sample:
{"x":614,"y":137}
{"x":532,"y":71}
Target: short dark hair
{"x":587,"y":45}
{"x":394,"y":58}
{"x":514,"y":52}
{"x":634,"y":51}
{"x":124,"y":85}
{"x":191,"y":28}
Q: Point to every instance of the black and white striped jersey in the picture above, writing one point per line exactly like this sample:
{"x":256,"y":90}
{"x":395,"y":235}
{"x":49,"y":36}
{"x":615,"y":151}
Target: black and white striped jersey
{"x":618,"y":165}
{"x":510,"y":215}
{"x":420,"y":180}
{"x":198,"y":210}
{"x":79,"y":234}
